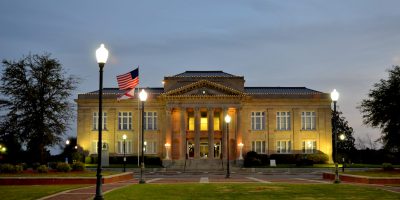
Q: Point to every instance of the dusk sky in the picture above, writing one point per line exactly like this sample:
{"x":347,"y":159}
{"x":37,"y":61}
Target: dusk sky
{"x":322,"y":45}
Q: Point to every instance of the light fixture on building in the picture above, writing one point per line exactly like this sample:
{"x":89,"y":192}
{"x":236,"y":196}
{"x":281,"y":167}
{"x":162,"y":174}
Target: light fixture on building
{"x":124,"y":146}
{"x":167,"y":146}
{"x":240,"y":145}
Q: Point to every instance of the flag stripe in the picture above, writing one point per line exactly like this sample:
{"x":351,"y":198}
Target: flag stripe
{"x":128,"y":80}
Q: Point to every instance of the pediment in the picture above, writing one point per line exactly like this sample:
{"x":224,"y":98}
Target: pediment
{"x":204,"y":88}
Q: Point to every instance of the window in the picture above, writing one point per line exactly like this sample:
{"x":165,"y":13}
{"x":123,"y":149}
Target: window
{"x":283,"y":121}
{"x":309,"y":146}
{"x":150,"y":147}
{"x":124,"y":120}
{"x":94,"y":146}
{"x":96,"y":121}
{"x":257,"y":120}
{"x":258,"y":146}
{"x":128,"y":147}
{"x":216,"y":122}
{"x":283,"y":146}
{"x":308,"y":120}
{"x":191,"y":121}
{"x":203,"y":121}
{"x":150,"y":120}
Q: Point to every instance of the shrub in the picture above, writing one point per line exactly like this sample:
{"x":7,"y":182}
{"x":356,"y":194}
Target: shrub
{"x":7,"y":168}
{"x":318,"y":158}
{"x":284,"y":158}
{"x":42,"y":169}
{"x":35,"y":165}
{"x":78,"y":166}
{"x":63,"y":167}
{"x":252,"y":159}
{"x":387,"y":166}
{"x":18,"y":168}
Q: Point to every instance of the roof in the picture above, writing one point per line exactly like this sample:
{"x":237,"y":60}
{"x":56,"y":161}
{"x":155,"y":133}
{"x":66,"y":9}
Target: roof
{"x":117,"y":91}
{"x":280,"y":91}
{"x":204,"y":74}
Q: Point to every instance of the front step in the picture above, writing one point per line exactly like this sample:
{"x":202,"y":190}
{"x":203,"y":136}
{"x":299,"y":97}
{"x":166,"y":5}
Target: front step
{"x":198,"y":164}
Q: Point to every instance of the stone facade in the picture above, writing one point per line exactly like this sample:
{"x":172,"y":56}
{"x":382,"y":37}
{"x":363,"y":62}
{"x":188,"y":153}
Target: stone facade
{"x":185,"y":119}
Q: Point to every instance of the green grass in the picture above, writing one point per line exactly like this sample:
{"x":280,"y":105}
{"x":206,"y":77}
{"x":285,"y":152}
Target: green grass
{"x":60,"y":174}
{"x":249,"y":191}
{"x":22,"y":192}
{"x":376,"y":173}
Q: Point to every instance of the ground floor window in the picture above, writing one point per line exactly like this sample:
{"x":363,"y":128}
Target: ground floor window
{"x":94,"y":146}
{"x":258,"y":146}
{"x":128,"y":147}
{"x":309,"y":146}
{"x":283,"y":146}
{"x":150,"y":147}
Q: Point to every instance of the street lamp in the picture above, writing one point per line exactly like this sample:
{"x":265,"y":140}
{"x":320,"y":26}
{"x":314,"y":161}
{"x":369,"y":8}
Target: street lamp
{"x":335,"y":98}
{"x":241,"y":151}
{"x":101,"y":56}
{"x":342,"y":137}
{"x":143,"y":98}
{"x":124,"y":138}
{"x":227,"y":120}
{"x":66,"y":151}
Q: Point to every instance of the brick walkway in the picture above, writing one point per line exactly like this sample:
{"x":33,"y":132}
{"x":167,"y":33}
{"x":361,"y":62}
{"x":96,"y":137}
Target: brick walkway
{"x":89,"y":192}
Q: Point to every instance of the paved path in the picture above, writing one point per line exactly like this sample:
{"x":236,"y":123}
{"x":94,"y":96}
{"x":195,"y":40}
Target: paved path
{"x":205,"y":178}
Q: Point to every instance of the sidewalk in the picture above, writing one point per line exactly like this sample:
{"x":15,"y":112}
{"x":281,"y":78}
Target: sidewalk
{"x":87,"y":192}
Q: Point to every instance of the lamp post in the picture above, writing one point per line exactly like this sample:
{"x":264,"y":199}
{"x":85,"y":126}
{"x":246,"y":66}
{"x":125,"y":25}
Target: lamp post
{"x":342,"y":137}
{"x":335,"y":97}
{"x":241,"y":151}
{"x":66,"y":152}
{"x":227,"y":120}
{"x":124,"y":138}
{"x":143,"y":98}
{"x":101,"y":56}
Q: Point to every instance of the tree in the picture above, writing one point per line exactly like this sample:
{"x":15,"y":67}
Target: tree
{"x":35,"y":104}
{"x":346,"y":147}
{"x":381,"y":109}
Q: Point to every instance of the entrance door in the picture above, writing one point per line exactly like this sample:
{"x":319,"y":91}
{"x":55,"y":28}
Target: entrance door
{"x":204,"y":149}
{"x":190,"y":149}
{"x":217,"y":149}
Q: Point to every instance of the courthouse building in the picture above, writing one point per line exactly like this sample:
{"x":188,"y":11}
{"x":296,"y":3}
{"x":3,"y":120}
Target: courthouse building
{"x":184,"y":120}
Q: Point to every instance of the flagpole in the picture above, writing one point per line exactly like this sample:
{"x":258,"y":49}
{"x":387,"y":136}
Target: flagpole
{"x":138,"y":135}
{"x":138,"y":128}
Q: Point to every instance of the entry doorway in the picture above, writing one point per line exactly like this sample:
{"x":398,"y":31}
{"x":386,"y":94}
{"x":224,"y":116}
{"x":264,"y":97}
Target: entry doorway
{"x":217,"y":149}
{"x":190,"y":149}
{"x":204,"y":149}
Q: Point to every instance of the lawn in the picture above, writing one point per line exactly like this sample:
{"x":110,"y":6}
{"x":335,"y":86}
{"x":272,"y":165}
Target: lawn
{"x":59,"y":174}
{"x":248,"y":191}
{"x":32,"y":192}
{"x":376,"y":173}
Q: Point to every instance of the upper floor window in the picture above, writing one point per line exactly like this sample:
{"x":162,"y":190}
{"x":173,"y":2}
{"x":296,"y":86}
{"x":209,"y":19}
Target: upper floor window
{"x":150,"y":120}
{"x":124,"y":120}
{"x":203,"y":121}
{"x":258,"y":146}
{"x":95,"y":123}
{"x":257,"y":120}
{"x":309,"y":146}
{"x":283,"y":121}
{"x":283,"y":146}
{"x":308,"y":120}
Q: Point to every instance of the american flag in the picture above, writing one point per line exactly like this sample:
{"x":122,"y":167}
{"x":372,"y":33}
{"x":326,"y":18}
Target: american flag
{"x":128,"y":80}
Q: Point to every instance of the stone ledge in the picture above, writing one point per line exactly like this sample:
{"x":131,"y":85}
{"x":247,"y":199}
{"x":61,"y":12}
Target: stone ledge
{"x":63,"y":180}
{"x":362,"y":179}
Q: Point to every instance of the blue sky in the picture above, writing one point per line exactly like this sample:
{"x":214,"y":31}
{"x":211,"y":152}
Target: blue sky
{"x":347,"y":45}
